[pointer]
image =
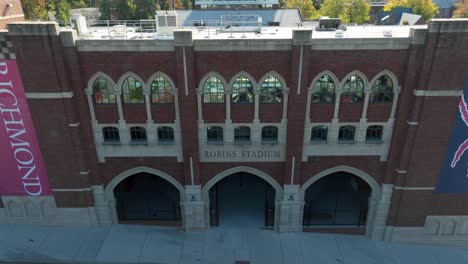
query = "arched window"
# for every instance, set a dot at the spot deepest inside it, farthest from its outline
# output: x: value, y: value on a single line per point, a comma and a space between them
x: 242, y: 134
x: 132, y: 91
x: 110, y: 134
x: 242, y: 90
x: 103, y: 91
x: 319, y: 133
x: 161, y: 91
x: 323, y: 90
x: 269, y: 134
x: 353, y: 90
x: 214, y: 134
x: 382, y: 90
x: 213, y: 90
x: 165, y: 134
x: 138, y: 134
x: 374, y: 133
x: 271, y: 90
x: 346, y: 133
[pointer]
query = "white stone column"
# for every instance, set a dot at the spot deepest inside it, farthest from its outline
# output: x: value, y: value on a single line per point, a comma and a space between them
x: 366, y: 104
x: 337, y: 103
x: 290, y: 219
x: 285, y: 103
x: 228, y: 104
x: 103, y: 214
x: 199, y: 105
x: 89, y: 96
x: 193, y: 209
x: 123, y: 129
x: 380, y: 213
x: 396, y: 93
x: 257, y: 105
x: 178, y: 129
x: 256, y: 131
x: 308, y: 104
x: 147, y: 93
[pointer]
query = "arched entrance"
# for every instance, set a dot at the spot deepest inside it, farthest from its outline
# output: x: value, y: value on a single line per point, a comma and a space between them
x: 340, y: 197
x: 145, y: 196
x: 242, y: 197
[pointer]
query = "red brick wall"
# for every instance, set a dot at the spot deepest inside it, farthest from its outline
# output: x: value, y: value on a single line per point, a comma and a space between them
x: 379, y: 112
x: 106, y: 113
x: 322, y: 112
x: 350, y: 112
x: 134, y: 113
x: 242, y: 112
x: 214, y: 113
x: 163, y: 113
x: 270, y: 113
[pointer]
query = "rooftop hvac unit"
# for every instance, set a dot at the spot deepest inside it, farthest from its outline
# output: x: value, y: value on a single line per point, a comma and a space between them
x: 329, y: 24
x: 166, y: 22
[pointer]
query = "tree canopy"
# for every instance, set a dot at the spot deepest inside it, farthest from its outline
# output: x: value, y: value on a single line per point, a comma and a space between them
x: 34, y: 9
x: 461, y: 9
x: 426, y: 8
x: 306, y: 7
x: 350, y: 11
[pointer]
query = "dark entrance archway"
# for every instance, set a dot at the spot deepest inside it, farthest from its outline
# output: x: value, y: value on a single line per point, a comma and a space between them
x: 147, y: 199
x: 242, y: 200
x: 339, y: 199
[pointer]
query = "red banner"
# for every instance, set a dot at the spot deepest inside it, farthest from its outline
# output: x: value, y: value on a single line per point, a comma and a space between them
x: 22, y: 169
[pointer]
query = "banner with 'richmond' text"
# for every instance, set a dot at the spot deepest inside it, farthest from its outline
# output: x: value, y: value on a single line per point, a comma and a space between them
x: 22, y: 169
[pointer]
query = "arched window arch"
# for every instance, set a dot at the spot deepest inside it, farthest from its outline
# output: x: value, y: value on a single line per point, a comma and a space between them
x: 132, y: 90
x: 110, y: 134
x: 103, y: 91
x: 138, y: 134
x: 353, y: 90
x: 374, y: 133
x: 346, y: 133
x: 269, y: 134
x: 161, y: 90
x: 323, y: 90
x: 382, y: 89
x: 242, y: 90
x: 213, y: 90
x: 271, y: 90
x: 242, y: 134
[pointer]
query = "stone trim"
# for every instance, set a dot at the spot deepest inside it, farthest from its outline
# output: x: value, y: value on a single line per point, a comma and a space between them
x: 414, y: 188
x: 437, y: 92
x: 51, y: 95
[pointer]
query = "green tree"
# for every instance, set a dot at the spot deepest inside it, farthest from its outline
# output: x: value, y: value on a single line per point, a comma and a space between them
x: 145, y: 9
x: 126, y: 9
x: 78, y: 4
x: 426, y: 8
x: 34, y: 9
x: 187, y: 4
x: 105, y: 9
x: 61, y: 10
x: 461, y: 9
x: 356, y: 11
x: 332, y: 8
x: 306, y: 7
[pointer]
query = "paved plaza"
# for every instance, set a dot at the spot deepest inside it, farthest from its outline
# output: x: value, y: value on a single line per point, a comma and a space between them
x: 145, y: 244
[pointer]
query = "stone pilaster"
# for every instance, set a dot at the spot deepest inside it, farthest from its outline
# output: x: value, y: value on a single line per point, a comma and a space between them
x: 103, y: 213
x: 193, y: 209
x: 378, y: 221
x: 290, y: 219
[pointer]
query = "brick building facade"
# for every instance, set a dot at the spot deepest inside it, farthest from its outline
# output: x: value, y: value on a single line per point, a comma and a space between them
x: 214, y: 89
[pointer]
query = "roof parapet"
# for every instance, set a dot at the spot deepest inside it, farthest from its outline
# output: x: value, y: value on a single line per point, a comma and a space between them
x: 33, y: 28
x: 448, y: 25
x: 183, y: 37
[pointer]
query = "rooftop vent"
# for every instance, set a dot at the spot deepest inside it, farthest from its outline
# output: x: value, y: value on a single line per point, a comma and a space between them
x: 329, y: 24
x: 166, y: 22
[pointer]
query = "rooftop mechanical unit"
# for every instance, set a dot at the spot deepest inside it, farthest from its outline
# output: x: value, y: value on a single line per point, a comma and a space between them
x: 330, y: 24
x: 166, y: 22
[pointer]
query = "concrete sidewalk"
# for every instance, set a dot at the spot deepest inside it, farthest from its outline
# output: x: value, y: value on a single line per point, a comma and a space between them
x: 143, y: 244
